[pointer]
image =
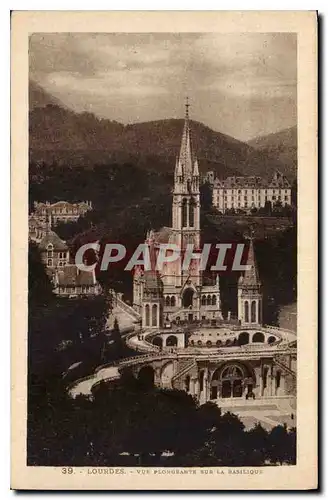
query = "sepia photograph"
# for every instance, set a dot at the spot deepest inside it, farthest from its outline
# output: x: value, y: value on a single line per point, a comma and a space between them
x: 162, y: 253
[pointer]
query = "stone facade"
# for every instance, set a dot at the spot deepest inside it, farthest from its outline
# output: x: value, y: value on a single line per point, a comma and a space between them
x: 245, y: 193
x: 181, y: 294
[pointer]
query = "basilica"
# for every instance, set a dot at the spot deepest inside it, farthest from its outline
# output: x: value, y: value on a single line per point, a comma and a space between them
x: 181, y: 337
x: 175, y: 293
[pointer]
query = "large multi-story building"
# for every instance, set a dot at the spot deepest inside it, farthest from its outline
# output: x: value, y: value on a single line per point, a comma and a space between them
x: 61, y: 211
x: 247, y: 193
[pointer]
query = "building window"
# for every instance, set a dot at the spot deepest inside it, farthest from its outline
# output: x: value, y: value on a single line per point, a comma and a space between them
x: 49, y: 262
x: 184, y: 212
x: 246, y: 311
x: 147, y: 314
x: 253, y: 312
x: 286, y: 198
x: 154, y: 315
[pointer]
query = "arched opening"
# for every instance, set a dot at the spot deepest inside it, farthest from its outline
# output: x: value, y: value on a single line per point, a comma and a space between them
x: 253, y: 312
x: 201, y: 381
x: 278, y: 379
x: 146, y: 376
x: 203, y: 300
x: 158, y: 341
x: 258, y: 337
x: 154, y: 315
x: 187, y: 383
x: 167, y: 374
x: 265, y: 377
x: 213, y: 300
x: 167, y: 301
x: 228, y: 342
x: 271, y: 339
x: 184, y: 212
x: 209, y: 300
x: 243, y: 338
x: 232, y: 382
x: 172, y: 302
x: 208, y: 343
x: 187, y: 298
x: 171, y: 341
x: 200, y: 343
x: 219, y: 343
x: 147, y: 315
x: 214, y: 385
x: 192, y: 209
x: 246, y: 312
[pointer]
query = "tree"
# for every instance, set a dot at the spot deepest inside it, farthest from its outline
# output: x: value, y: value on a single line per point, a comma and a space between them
x: 257, y: 444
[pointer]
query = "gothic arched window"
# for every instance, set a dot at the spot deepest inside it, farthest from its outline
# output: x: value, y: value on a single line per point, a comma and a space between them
x: 192, y: 210
x: 246, y: 312
x: 184, y: 212
x: 172, y: 302
x: 253, y: 312
x: 213, y: 300
x: 203, y: 300
x: 154, y: 315
x: 147, y: 314
x: 167, y: 300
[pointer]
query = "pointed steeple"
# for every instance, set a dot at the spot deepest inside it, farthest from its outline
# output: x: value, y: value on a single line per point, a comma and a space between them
x: 196, y: 169
x: 185, y: 156
x: 251, y: 276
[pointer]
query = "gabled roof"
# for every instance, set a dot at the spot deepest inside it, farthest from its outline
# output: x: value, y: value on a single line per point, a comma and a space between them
x: 70, y: 275
x: 53, y: 238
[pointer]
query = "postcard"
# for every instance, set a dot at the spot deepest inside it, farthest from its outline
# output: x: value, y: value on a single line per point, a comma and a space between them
x: 164, y: 250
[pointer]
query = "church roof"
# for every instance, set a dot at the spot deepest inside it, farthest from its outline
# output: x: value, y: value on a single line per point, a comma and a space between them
x: 70, y: 275
x: 163, y: 235
x: 251, y: 275
x: 52, y: 238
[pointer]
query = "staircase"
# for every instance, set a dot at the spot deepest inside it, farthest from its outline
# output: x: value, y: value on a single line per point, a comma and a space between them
x: 281, y: 362
x: 127, y: 309
x: 178, y: 313
x: 185, y: 366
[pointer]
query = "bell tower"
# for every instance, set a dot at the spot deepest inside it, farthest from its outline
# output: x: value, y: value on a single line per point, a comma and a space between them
x: 186, y: 197
x: 249, y: 292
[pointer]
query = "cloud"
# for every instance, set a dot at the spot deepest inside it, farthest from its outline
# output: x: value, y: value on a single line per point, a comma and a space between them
x: 116, y: 71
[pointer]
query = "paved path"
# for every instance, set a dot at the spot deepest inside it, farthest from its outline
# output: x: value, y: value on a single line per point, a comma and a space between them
x: 124, y: 320
x: 84, y: 386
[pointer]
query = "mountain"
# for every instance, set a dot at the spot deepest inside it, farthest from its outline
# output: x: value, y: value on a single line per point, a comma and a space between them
x: 38, y: 97
x: 280, y: 146
x: 61, y: 136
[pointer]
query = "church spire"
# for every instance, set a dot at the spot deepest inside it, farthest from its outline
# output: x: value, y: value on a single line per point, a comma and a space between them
x: 185, y: 156
x: 251, y: 275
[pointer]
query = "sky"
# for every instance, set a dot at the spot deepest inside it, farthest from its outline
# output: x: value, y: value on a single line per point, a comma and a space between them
x: 240, y: 84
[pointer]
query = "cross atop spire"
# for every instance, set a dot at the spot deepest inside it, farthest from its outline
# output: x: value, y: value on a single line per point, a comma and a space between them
x: 185, y: 157
x: 187, y: 106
